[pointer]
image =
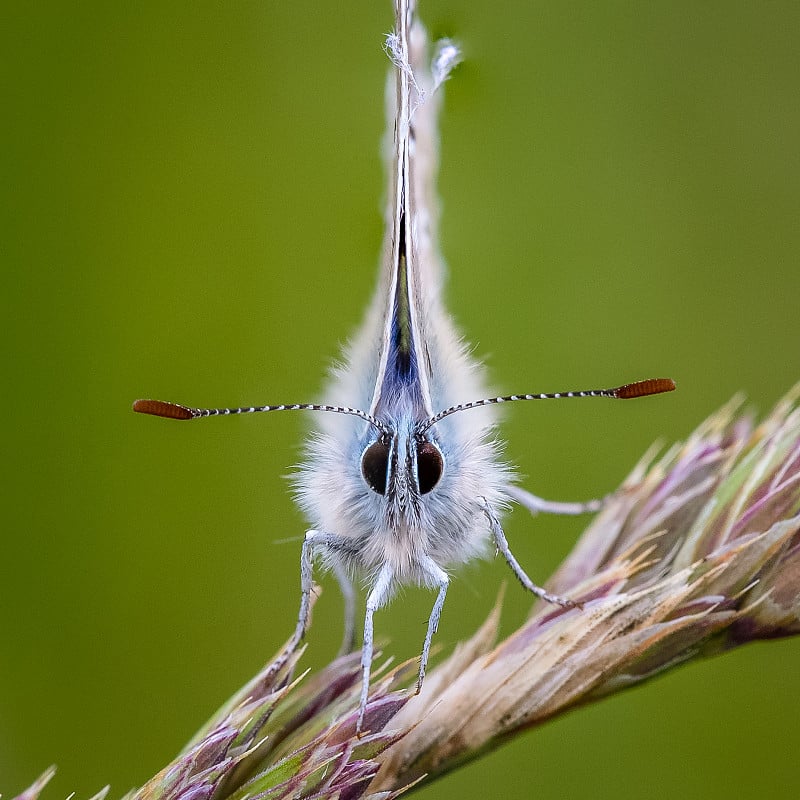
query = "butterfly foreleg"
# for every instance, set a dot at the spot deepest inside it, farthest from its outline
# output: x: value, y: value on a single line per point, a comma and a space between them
x: 349, y: 598
x: 442, y: 580
x: 538, y: 505
x: 314, y: 543
x: 376, y: 598
x: 499, y: 537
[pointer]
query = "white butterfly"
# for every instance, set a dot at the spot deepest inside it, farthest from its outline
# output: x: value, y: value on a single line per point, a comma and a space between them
x: 400, y: 483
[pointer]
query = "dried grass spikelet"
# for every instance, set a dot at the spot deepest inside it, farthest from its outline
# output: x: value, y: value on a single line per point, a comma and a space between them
x: 697, y: 553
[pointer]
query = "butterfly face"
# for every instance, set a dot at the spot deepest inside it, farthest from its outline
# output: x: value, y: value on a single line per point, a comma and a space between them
x: 416, y: 472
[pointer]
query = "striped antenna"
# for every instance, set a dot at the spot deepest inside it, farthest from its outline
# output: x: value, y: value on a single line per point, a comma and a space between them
x: 626, y: 392
x: 162, y: 408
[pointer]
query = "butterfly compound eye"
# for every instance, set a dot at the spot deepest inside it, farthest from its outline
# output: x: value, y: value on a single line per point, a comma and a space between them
x: 375, y: 465
x: 430, y: 466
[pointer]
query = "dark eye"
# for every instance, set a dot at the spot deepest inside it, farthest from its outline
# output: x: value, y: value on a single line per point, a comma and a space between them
x: 430, y: 466
x: 375, y: 465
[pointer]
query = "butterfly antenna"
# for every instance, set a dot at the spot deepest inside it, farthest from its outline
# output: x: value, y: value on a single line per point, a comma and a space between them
x: 626, y: 392
x: 162, y: 408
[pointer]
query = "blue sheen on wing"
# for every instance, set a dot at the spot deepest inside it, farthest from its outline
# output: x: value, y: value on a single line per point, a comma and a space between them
x: 402, y: 379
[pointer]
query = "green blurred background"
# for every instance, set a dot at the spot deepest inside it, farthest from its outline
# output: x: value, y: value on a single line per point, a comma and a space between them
x: 191, y: 205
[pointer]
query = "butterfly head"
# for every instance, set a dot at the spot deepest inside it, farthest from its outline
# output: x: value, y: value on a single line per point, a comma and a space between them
x: 403, y: 466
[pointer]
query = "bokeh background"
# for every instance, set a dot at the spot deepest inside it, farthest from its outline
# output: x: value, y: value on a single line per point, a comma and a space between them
x: 191, y: 212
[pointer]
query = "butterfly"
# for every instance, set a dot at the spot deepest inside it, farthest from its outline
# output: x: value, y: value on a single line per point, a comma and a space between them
x: 403, y: 479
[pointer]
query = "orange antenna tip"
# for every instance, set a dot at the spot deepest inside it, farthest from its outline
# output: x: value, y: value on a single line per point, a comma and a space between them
x: 160, y: 408
x: 645, y: 388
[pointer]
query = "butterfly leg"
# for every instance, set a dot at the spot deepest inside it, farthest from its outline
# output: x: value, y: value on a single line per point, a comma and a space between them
x: 502, y: 547
x: 440, y: 577
x: 537, y: 505
x: 313, y: 542
x: 376, y: 598
x: 310, y: 541
x: 349, y: 597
